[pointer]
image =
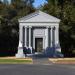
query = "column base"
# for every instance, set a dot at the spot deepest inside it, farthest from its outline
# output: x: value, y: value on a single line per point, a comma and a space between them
x: 31, y: 49
x: 58, y: 50
x: 58, y: 53
x: 20, y: 53
x: 49, y: 51
x: 53, y: 52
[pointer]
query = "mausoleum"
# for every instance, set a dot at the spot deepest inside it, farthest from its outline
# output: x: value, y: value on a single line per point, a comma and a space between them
x: 38, y: 32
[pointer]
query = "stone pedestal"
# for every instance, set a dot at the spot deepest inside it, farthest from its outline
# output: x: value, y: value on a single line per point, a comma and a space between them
x: 58, y: 52
x: 31, y: 50
x: 20, y: 53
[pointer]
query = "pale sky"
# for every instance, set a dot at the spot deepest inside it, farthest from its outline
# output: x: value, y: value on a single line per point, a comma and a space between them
x: 37, y: 2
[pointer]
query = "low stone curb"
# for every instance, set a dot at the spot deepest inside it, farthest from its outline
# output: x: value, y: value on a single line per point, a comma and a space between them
x: 62, y: 60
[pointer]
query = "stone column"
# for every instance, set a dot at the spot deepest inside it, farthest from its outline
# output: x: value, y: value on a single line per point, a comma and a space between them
x: 20, y: 36
x: 30, y: 39
x: 20, y: 53
x: 47, y: 35
x: 56, y: 35
x: 20, y: 33
x: 57, y: 44
x: 51, y: 36
x: 25, y: 36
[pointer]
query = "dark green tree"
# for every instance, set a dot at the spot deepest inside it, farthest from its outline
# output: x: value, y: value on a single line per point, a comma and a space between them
x: 65, y: 10
x: 9, y: 15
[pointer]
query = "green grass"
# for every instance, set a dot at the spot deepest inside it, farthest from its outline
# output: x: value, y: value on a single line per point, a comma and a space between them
x: 14, y: 61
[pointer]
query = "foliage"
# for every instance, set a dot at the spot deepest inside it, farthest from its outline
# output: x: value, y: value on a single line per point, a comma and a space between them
x: 9, y: 15
x: 65, y: 10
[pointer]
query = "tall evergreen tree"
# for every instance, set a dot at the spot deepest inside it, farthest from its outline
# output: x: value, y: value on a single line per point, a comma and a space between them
x: 65, y: 10
x: 9, y: 15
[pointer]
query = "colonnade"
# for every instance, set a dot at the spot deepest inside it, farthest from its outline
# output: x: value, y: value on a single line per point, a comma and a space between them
x: 52, y: 36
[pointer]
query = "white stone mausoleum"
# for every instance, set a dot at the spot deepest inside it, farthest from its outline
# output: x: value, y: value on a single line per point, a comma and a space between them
x: 38, y: 32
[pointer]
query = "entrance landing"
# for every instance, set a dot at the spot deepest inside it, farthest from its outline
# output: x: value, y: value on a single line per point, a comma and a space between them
x: 40, y: 58
x: 42, y: 61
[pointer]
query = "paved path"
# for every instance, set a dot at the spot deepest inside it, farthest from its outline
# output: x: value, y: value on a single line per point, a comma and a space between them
x: 41, y: 59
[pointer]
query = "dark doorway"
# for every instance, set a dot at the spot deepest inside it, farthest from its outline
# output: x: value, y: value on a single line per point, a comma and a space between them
x: 38, y: 44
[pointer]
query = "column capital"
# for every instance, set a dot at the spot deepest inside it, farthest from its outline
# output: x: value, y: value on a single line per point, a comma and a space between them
x: 47, y: 27
x: 56, y: 27
x: 51, y: 27
x: 30, y: 26
x: 25, y: 26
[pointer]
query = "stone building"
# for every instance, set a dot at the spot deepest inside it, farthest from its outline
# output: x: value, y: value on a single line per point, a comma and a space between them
x: 38, y: 32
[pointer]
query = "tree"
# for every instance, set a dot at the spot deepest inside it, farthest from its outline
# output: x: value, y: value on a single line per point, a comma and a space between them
x: 65, y: 10
x: 9, y: 15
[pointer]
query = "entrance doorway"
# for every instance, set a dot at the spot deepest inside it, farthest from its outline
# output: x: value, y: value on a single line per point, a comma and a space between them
x: 38, y: 44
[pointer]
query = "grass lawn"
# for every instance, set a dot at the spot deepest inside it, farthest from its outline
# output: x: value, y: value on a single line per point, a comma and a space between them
x: 15, y: 61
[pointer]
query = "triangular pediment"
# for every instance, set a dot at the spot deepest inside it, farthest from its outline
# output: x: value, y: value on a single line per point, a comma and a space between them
x: 39, y: 16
